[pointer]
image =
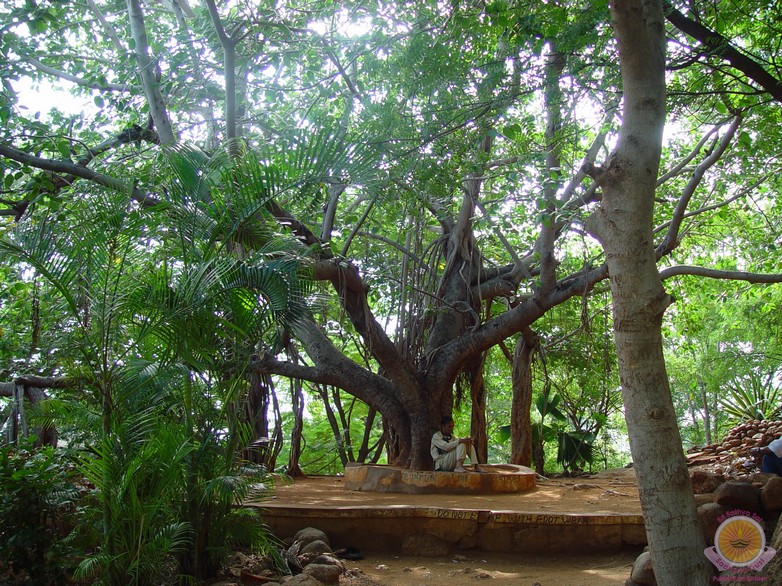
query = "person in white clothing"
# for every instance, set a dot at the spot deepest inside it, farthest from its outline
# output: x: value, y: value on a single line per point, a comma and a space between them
x: 772, y: 457
x: 449, y: 451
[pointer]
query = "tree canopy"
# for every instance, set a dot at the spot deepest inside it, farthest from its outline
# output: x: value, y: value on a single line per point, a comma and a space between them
x: 416, y: 205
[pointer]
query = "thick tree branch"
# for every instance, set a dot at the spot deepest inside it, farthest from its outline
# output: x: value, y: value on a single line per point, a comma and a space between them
x: 38, y: 382
x: 718, y: 45
x: 72, y: 170
x: 332, y: 367
x: 674, y: 271
x: 73, y: 78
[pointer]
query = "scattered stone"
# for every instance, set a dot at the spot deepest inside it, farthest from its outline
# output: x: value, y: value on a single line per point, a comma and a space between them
x: 771, y: 495
x: 310, y: 534
x: 705, y: 481
x: 643, y: 573
x: 709, y: 515
x: 327, y: 559
x: 584, y: 486
x: 317, y: 546
x: 326, y: 573
x: 738, y: 495
x: 733, y: 453
x: 421, y: 572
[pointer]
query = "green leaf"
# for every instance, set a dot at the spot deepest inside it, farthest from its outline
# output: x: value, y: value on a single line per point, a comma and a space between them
x: 63, y: 147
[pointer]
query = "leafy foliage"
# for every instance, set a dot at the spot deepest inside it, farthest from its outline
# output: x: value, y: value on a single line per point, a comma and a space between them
x: 37, y: 498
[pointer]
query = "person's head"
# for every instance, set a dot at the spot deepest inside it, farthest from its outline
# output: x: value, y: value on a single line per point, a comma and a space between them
x: 446, y: 424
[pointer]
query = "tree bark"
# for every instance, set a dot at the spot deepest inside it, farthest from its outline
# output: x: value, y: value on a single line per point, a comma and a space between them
x: 297, y: 406
x: 623, y: 225
x: 521, y: 405
x: 478, y: 411
x: 146, y: 71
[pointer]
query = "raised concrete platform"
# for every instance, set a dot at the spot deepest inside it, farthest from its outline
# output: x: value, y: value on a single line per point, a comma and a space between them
x: 411, y: 524
x: 494, y: 479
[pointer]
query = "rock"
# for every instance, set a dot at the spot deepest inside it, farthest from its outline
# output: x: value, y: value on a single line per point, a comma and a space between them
x: 643, y: 573
x: 315, y: 547
x: 702, y: 499
x: 704, y: 481
x: 327, y: 559
x: 302, y: 580
x: 326, y: 573
x: 425, y: 545
x: 738, y: 495
x: 771, y: 495
x: 310, y: 534
x: 708, y: 515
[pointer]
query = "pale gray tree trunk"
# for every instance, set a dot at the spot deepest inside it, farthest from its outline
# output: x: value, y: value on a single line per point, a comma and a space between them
x: 623, y: 225
x: 147, y: 69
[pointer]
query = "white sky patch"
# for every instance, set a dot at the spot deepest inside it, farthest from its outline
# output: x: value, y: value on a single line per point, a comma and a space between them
x: 45, y: 96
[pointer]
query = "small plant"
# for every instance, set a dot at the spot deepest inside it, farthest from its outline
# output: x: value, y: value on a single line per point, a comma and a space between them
x: 575, y: 448
x: 36, y: 497
x: 752, y: 397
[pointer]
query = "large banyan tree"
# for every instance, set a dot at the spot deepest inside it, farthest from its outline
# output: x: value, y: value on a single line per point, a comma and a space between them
x: 450, y: 173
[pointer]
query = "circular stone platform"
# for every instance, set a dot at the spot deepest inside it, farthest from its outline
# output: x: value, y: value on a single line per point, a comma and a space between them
x: 494, y: 479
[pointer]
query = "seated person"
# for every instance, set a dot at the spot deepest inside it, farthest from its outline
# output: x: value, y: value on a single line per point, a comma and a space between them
x: 449, y: 451
x: 772, y: 457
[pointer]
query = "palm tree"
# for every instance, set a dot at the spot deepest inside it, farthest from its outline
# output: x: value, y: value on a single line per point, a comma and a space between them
x: 165, y: 308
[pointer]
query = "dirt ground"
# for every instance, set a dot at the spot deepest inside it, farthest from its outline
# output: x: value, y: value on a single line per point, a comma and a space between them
x: 609, y: 491
x: 501, y: 569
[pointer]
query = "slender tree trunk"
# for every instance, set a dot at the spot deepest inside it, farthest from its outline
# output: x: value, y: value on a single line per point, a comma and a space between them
x: 364, y: 449
x: 278, y: 437
x: 334, y: 424
x: 623, y: 225
x: 478, y: 411
x: 706, y: 412
x: 297, y: 400
x: 521, y: 405
x: 344, y: 418
x: 257, y: 414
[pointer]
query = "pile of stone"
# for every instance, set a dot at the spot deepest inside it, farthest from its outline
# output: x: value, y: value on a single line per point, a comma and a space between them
x: 732, y: 455
x: 759, y: 496
x: 726, y: 477
x: 308, y: 560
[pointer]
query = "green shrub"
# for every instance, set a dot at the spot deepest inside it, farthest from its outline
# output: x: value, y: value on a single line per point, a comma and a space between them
x: 36, y: 497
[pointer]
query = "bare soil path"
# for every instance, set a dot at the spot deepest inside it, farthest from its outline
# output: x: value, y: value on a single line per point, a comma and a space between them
x: 612, y: 491
x: 501, y: 569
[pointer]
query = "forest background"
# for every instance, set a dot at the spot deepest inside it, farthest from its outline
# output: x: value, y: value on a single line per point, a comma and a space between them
x: 284, y: 237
